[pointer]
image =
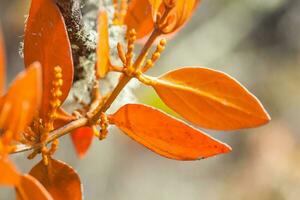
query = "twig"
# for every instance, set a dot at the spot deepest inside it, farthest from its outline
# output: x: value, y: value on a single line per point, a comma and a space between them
x: 137, y: 65
x: 84, y: 121
x: 125, y: 78
x: 78, y: 35
x: 54, y: 135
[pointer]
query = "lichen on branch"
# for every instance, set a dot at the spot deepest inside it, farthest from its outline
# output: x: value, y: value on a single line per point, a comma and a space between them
x: 80, y: 18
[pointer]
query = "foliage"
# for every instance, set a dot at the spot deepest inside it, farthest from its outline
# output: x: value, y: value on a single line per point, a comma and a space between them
x: 34, y: 119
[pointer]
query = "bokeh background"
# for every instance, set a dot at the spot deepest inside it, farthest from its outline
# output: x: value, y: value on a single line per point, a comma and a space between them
x: 255, y: 41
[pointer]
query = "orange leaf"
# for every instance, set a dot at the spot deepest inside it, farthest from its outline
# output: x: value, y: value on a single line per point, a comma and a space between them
x: 30, y: 188
x: 60, y: 180
x: 46, y: 41
x: 210, y: 99
x: 82, y: 139
x: 183, y: 11
x: 22, y: 100
x: 156, y: 4
x: 2, y: 65
x: 8, y: 174
x: 103, y: 52
x: 139, y: 17
x: 164, y: 134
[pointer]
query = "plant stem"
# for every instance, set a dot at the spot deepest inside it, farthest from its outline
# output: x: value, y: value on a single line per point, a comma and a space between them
x: 85, y: 121
x: 54, y: 135
x: 125, y: 78
x: 155, y: 34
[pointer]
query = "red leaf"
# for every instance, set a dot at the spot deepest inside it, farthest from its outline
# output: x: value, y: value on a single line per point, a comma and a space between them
x: 139, y: 17
x: 60, y: 180
x: 46, y: 41
x: 30, y: 188
x: 164, y: 134
x: 8, y: 173
x: 22, y: 100
x: 82, y: 139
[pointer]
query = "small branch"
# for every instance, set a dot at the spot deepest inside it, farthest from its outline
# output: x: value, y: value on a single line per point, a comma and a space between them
x: 69, y: 7
x: 125, y: 78
x: 155, y: 34
x: 54, y: 135
x: 78, y: 35
x: 103, y: 108
x: 71, y: 12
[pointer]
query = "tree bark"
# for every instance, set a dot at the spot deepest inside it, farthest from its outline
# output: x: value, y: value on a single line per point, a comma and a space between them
x: 78, y: 35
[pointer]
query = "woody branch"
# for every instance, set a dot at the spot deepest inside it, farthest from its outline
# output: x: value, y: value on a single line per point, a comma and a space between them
x: 102, y: 107
x: 78, y: 35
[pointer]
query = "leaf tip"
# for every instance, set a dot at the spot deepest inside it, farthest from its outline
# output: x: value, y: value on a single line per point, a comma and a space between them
x: 81, y: 155
x: 267, y: 118
x: 222, y: 148
x: 263, y: 119
x: 82, y: 139
x: 226, y: 148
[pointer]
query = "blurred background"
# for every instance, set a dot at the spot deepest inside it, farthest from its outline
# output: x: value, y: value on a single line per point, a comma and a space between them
x: 258, y: 43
